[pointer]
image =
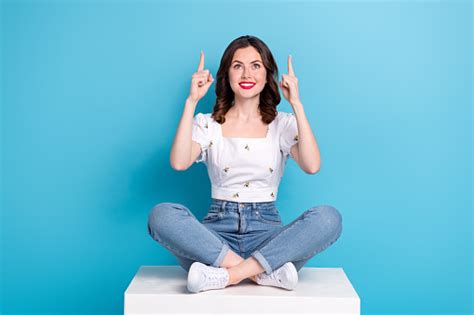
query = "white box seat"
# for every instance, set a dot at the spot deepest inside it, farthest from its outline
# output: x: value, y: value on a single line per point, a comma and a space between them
x: 162, y: 290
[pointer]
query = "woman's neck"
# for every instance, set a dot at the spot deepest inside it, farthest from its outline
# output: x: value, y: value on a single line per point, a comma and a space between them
x: 245, y: 110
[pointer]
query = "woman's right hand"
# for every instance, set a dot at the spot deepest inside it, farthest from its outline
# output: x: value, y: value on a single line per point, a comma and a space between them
x: 201, y: 81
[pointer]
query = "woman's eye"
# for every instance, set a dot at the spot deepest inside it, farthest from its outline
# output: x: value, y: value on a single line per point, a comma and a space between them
x: 256, y: 66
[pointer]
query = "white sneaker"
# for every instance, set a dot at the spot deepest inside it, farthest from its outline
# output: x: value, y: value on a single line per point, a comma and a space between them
x: 285, y: 277
x: 202, y: 277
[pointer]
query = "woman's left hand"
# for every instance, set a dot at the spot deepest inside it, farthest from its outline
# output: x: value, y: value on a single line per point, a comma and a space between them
x: 289, y: 85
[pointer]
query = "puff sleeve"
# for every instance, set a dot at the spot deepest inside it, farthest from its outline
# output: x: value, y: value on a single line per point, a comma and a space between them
x: 288, y: 133
x: 201, y: 135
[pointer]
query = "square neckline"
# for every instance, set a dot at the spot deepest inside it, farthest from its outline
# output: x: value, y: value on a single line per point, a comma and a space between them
x: 246, y: 138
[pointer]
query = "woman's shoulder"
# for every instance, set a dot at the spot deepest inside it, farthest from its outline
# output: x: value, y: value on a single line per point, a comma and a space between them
x: 283, y: 115
x: 204, y: 116
x: 205, y: 120
x: 283, y: 118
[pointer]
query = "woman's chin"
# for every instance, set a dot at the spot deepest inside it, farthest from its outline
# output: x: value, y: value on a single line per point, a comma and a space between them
x: 247, y: 94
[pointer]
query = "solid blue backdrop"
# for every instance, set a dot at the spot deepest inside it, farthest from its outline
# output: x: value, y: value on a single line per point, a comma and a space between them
x: 92, y: 92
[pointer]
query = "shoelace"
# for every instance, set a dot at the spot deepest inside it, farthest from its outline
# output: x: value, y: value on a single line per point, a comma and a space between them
x: 214, y: 277
x: 275, y: 276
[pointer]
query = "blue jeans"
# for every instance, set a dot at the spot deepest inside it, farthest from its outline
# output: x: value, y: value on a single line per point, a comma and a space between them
x: 249, y: 229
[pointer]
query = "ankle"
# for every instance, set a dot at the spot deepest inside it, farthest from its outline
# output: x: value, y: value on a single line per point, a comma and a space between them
x: 232, y: 278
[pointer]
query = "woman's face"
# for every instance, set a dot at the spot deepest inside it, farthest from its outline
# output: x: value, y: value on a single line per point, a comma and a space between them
x: 247, y: 67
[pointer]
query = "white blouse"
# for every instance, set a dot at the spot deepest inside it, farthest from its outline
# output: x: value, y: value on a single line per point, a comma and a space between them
x: 245, y: 169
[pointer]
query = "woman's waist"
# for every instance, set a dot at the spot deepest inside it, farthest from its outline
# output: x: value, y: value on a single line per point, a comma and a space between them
x: 242, y: 194
x: 235, y: 206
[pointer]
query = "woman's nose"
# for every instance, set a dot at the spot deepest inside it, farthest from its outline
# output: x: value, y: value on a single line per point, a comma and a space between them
x: 245, y: 74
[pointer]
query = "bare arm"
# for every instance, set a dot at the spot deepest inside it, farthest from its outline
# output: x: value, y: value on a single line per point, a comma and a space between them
x: 306, y: 151
x: 185, y: 151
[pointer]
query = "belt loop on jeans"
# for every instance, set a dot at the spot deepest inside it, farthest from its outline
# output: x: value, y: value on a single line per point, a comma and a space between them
x: 223, y: 205
x: 254, y: 205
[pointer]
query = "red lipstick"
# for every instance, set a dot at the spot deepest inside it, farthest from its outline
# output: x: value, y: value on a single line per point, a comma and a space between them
x: 246, y: 85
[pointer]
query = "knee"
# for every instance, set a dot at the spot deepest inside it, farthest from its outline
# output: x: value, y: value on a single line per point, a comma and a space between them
x: 328, y: 216
x: 160, y: 215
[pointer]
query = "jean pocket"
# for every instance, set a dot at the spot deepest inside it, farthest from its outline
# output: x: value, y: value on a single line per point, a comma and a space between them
x: 213, y: 214
x: 214, y: 209
x: 268, y: 217
x: 211, y: 217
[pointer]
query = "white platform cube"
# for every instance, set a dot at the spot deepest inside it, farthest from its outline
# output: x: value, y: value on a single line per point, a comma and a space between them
x: 162, y: 290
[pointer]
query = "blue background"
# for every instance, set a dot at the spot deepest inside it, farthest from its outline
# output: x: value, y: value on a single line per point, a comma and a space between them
x: 92, y: 92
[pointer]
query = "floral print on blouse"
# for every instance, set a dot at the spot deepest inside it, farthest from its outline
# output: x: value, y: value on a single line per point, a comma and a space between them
x: 245, y: 169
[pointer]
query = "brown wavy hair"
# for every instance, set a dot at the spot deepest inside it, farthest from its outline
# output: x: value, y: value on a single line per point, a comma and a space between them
x: 270, y: 95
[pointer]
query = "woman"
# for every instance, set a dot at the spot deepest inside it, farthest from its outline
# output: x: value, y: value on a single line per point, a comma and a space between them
x: 245, y: 144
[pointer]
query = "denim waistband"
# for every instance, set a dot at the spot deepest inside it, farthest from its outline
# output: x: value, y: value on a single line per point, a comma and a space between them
x: 229, y: 205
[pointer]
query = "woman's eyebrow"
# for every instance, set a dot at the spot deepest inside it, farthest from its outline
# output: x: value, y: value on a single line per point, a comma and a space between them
x: 242, y: 62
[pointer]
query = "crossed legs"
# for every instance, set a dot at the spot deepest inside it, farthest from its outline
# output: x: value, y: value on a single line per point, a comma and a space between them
x: 240, y: 269
x: 167, y: 221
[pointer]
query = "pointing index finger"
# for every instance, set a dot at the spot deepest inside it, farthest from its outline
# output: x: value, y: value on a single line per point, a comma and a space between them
x: 201, y: 62
x: 290, y: 66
